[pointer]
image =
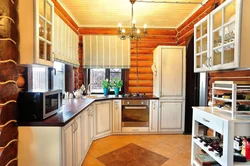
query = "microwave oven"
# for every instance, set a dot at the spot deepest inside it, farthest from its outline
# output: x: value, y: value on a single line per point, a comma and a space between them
x: 38, y: 105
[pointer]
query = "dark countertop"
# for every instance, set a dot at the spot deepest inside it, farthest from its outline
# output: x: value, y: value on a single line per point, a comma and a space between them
x: 72, y: 107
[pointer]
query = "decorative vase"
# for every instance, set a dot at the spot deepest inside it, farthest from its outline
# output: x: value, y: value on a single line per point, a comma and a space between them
x: 116, y: 90
x: 106, y: 91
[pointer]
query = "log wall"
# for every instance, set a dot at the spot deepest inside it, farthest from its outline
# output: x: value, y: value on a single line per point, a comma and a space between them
x: 187, y: 28
x: 145, y: 55
x: 8, y: 82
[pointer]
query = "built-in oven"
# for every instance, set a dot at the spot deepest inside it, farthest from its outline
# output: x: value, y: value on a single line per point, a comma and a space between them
x: 135, y: 113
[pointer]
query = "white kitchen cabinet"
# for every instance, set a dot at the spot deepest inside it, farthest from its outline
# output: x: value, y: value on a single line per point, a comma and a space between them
x: 153, y: 115
x: 65, y: 43
x: 169, y: 79
x: 117, y: 111
x: 36, y: 26
x: 228, y: 38
x: 72, y: 142
x: 201, y: 45
x: 103, y: 118
x: 78, y: 141
x: 91, y: 125
x: 223, y: 124
x: 68, y: 145
x: 171, y: 116
x: 85, y: 131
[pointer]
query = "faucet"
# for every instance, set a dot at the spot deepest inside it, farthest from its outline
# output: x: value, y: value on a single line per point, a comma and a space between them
x: 88, y: 90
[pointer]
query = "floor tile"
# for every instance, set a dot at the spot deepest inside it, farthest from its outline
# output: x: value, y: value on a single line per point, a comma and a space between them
x: 175, y: 147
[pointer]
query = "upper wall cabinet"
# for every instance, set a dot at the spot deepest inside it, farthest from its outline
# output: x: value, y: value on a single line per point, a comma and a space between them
x: 227, y: 37
x: 65, y: 43
x: 36, y: 23
x: 201, y: 45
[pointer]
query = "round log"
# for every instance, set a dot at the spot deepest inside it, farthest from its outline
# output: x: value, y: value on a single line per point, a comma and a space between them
x: 8, y: 112
x: 21, y: 81
x: 8, y: 50
x: 9, y: 153
x: 8, y: 92
x: 8, y: 71
x: 8, y: 133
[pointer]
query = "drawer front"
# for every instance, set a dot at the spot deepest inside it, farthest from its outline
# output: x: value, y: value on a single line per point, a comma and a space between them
x: 209, y: 120
x: 134, y: 129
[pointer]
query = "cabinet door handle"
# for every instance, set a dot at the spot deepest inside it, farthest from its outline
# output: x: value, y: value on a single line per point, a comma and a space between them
x: 209, y: 61
x: 206, y: 120
x: 76, y: 125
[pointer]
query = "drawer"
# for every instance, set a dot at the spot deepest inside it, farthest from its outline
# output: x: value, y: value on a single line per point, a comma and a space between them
x: 209, y: 120
x: 134, y: 129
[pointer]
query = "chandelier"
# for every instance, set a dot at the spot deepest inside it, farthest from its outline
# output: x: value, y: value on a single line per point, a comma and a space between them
x: 134, y: 33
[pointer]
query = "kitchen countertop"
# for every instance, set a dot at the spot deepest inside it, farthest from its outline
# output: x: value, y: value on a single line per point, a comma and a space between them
x: 72, y: 107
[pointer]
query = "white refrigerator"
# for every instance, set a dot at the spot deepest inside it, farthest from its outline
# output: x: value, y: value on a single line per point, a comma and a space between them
x: 169, y: 78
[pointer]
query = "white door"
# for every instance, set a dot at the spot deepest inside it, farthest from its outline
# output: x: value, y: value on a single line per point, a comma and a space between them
x: 103, y: 113
x: 85, y: 132
x: 68, y: 145
x: 91, y: 126
x: 171, y: 117
x: 173, y: 73
x: 153, y: 116
x: 117, y: 116
x: 78, y: 141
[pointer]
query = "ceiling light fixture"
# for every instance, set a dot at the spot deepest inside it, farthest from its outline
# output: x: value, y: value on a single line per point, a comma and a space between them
x: 134, y: 33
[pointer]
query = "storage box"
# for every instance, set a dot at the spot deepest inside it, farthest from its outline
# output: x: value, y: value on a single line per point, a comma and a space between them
x: 206, y: 160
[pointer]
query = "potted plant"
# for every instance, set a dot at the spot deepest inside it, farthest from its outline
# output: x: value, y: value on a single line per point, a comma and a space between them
x: 106, y: 85
x: 117, y: 84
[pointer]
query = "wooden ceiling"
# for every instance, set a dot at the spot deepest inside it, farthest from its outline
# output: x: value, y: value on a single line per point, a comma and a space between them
x: 108, y: 13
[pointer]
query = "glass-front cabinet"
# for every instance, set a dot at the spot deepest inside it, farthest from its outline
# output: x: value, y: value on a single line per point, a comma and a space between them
x: 45, y: 30
x: 36, y: 26
x: 227, y: 36
x: 201, y: 45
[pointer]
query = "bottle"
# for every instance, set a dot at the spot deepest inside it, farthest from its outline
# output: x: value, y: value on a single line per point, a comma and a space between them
x: 243, y: 151
x: 247, y: 148
x: 237, y: 144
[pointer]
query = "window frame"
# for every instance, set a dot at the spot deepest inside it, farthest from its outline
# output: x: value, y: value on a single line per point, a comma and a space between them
x: 107, y: 76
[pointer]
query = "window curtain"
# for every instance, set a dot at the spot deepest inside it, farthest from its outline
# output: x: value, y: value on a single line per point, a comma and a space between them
x: 105, y: 51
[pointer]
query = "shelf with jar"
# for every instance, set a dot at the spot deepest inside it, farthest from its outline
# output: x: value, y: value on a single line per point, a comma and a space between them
x: 227, y: 37
x: 232, y: 97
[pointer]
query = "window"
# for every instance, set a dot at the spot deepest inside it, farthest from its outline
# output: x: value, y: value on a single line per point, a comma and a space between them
x: 97, y: 75
x: 58, y: 77
x: 39, y: 79
x: 44, y: 78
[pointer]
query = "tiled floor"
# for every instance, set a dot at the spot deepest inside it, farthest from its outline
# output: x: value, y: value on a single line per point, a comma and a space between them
x: 175, y: 147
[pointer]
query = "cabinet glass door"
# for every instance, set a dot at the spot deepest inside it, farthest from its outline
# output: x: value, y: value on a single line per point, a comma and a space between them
x: 223, y: 34
x: 45, y: 30
x: 201, y: 45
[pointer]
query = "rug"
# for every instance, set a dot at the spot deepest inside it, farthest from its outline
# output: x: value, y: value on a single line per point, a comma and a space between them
x: 132, y: 155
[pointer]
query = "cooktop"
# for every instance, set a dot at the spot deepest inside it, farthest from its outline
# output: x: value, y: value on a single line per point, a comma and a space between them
x: 134, y: 95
